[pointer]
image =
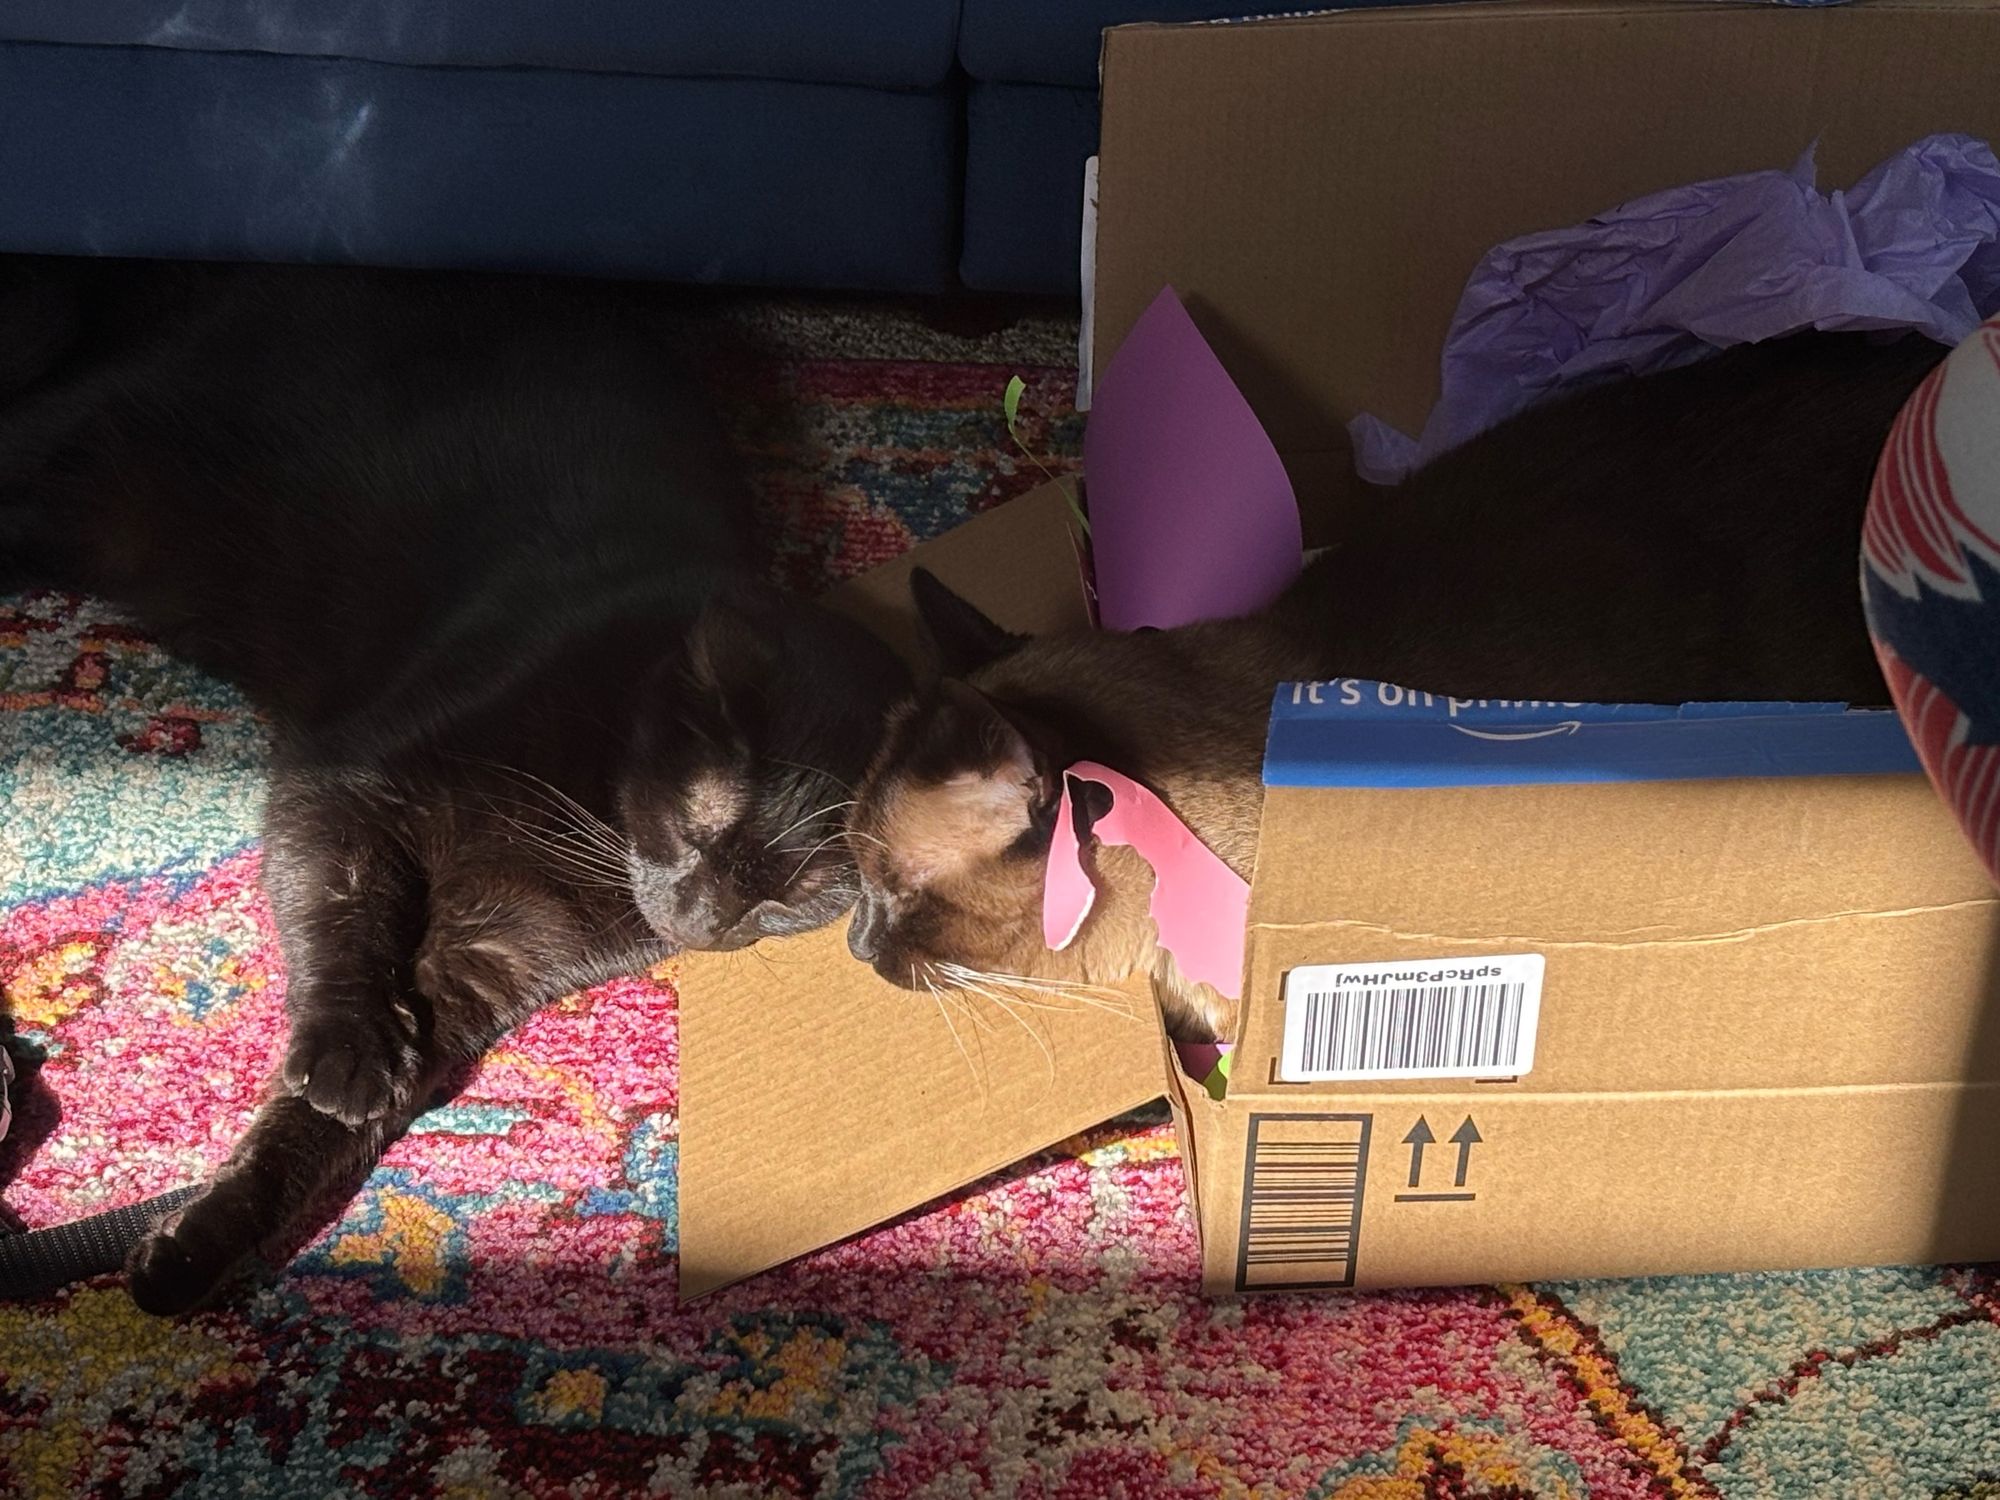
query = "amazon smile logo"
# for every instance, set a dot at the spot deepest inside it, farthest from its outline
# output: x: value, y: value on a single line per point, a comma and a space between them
x: 1568, y: 726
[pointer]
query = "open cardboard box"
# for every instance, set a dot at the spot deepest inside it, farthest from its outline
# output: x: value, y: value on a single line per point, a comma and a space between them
x: 1769, y: 1028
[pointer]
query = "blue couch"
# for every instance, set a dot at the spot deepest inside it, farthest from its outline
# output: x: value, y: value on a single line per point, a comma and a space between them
x: 907, y: 145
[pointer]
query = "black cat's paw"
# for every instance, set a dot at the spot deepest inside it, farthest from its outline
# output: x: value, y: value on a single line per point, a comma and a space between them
x: 177, y: 1267
x: 355, y: 1070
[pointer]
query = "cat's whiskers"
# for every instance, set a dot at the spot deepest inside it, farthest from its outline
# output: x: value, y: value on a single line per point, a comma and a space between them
x: 806, y: 859
x: 585, y: 817
x: 577, y: 860
x: 588, y: 825
x: 815, y: 771
x: 584, y: 867
x: 938, y: 1000
x: 818, y: 812
x: 578, y: 865
x: 1042, y: 982
x: 575, y: 847
x: 583, y: 850
x: 484, y: 922
x: 1018, y: 1019
x: 570, y: 844
x: 597, y: 842
x: 1094, y: 997
x: 553, y: 813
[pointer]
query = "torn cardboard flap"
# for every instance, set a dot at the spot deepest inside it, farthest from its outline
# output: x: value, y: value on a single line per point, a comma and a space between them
x: 1008, y: 562
x: 817, y: 1099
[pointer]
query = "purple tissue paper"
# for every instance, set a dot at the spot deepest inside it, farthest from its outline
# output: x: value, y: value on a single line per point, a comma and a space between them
x: 1666, y: 279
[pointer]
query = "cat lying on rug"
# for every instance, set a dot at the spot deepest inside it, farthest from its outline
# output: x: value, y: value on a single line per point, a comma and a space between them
x: 1684, y: 536
x: 473, y: 548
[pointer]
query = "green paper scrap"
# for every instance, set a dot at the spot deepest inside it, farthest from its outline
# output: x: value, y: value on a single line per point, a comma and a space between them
x: 1010, y: 405
x: 1217, y: 1082
x: 1075, y: 506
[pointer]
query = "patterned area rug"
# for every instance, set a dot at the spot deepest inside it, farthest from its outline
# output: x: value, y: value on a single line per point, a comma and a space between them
x: 495, y: 1315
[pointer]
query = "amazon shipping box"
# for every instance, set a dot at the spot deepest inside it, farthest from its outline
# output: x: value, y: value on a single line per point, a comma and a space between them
x: 1530, y: 990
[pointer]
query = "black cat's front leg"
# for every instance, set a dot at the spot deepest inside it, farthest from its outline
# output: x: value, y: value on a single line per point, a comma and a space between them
x: 349, y: 903
x: 290, y: 1157
x: 495, y: 949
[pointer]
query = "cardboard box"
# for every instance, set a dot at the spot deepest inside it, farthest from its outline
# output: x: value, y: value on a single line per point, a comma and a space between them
x: 1767, y: 1035
x: 1319, y: 189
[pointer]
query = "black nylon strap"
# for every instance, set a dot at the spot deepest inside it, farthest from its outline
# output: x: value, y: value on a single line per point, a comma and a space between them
x: 35, y: 1262
x: 41, y: 1261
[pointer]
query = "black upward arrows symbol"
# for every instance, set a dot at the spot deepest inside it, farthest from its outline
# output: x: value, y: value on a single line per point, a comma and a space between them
x: 1419, y: 1137
x: 1465, y: 1138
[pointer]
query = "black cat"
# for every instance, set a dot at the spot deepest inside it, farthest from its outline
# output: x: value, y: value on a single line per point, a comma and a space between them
x: 474, y: 548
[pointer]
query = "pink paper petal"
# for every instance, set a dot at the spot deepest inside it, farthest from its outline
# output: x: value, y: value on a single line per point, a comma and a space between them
x: 1067, y: 894
x: 1199, y: 904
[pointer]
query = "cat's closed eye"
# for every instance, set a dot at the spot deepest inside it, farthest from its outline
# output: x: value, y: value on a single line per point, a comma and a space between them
x: 727, y: 888
x: 736, y: 828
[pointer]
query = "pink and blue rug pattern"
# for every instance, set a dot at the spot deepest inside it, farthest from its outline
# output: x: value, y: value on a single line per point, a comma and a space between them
x: 495, y: 1315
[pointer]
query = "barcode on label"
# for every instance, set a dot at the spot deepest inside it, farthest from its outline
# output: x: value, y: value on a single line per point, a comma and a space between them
x: 1432, y: 1018
x: 1303, y: 1177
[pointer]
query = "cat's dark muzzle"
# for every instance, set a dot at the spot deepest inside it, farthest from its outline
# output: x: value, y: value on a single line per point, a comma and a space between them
x: 693, y: 925
x: 699, y: 932
x: 731, y: 941
x: 872, y: 939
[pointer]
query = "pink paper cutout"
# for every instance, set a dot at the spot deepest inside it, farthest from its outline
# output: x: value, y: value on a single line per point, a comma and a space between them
x: 1067, y: 894
x: 1199, y: 904
x: 1192, y: 516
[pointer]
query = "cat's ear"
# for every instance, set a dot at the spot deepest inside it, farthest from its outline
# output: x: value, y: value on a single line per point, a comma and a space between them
x: 963, y: 639
x: 967, y: 744
x: 734, y: 653
x: 1091, y: 801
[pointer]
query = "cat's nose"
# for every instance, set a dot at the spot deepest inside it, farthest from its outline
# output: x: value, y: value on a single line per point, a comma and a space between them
x: 864, y: 932
x: 710, y: 923
x: 692, y: 914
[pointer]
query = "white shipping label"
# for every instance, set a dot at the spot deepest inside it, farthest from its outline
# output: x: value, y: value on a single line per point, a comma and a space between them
x: 1426, y: 1018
